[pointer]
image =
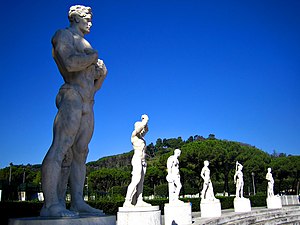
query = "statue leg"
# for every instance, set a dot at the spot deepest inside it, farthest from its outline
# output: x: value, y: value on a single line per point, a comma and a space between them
x: 237, y: 190
x: 64, y: 178
x: 178, y: 187
x: 78, y: 167
x: 140, y: 187
x: 66, y: 125
x: 242, y: 189
x: 135, y: 179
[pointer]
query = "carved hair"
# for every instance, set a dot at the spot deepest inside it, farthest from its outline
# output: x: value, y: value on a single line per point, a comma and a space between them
x: 79, y: 10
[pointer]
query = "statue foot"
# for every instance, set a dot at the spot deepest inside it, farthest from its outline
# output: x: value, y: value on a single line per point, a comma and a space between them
x: 84, y: 208
x: 57, y: 210
x: 127, y: 204
x: 141, y: 203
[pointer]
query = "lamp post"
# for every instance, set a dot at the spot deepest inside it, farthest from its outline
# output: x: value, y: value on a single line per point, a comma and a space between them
x: 23, y: 175
x: 87, y: 187
x: 253, y: 174
x: 9, y: 179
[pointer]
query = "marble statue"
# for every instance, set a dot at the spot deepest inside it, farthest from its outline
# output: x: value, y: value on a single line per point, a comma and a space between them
x: 209, y: 205
x: 134, y: 196
x: 238, y: 180
x: 173, y: 177
x: 207, y: 193
x: 273, y: 202
x: 83, y: 74
x: 240, y: 203
x: 270, y: 180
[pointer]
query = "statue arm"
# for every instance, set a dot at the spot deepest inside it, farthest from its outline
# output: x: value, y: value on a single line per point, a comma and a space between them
x: 101, y: 68
x: 140, y: 128
x: 202, y: 174
x: 234, y: 177
x: 170, y: 164
x: 66, y: 54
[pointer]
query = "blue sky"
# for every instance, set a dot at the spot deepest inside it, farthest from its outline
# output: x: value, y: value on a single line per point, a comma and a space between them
x: 230, y: 68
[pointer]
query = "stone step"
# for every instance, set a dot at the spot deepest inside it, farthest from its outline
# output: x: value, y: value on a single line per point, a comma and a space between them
x: 256, y: 216
x: 268, y: 219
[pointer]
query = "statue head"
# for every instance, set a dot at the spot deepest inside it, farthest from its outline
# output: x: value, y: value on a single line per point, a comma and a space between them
x: 206, y: 163
x: 177, y: 152
x: 81, y: 16
x: 240, y: 167
x: 269, y: 170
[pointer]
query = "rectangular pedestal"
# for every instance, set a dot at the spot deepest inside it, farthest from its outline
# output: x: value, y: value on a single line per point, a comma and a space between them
x: 139, y: 215
x: 180, y: 214
x: 210, y: 209
x: 242, y: 205
x: 90, y: 220
x: 274, y: 202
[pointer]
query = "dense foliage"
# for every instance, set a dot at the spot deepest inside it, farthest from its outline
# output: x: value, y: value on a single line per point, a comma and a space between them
x: 111, y: 175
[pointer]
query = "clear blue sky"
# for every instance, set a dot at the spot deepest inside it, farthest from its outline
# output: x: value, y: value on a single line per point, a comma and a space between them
x: 231, y: 68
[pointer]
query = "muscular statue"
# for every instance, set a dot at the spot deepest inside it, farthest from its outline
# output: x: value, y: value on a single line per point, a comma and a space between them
x: 207, y: 193
x: 134, y: 196
x: 83, y: 74
x: 238, y: 180
x: 173, y: 177
x: 270, y: 180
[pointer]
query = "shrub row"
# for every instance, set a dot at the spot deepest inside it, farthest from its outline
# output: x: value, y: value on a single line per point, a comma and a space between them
x: 109, y: 206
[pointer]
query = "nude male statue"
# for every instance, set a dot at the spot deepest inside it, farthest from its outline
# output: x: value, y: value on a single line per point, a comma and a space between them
x: 207, y: 193
x: 269, y: 178
x: 83, y: 74
x: 134, y: 196
x: 238, y: 180
x: 173, y: 177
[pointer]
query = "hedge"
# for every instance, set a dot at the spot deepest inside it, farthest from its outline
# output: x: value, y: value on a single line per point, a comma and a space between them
x: 110, y: 206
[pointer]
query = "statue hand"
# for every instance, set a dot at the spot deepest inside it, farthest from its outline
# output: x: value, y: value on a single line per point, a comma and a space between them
x: 144, y: 163
x: 169, y: 178
x: 100, y: 66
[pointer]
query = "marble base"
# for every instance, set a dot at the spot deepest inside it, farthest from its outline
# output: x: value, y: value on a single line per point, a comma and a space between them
x: 242, y: 205
x: 180, y: 214
x: 81, y: 220
x: 210, y: 209
x: 274, y: 202
x: 148, y: 215
x: 290, y: 200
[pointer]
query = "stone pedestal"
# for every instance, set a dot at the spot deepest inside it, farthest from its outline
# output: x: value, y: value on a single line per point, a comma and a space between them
x: 148, y: 215
x: 180, y: 214
x: 242, y: 205
x: 274, y: 202
x: 210, y: 209
x: 81, y: 220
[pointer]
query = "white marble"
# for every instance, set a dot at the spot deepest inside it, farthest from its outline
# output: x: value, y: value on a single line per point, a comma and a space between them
x: 90, y: 220
x: 269, y: 178
x: 290, y: 199
x: 147, y: 215
x: 210, y: 208
x: 239, y: 180
x: 274, y: 202
x: 83, y: 74
x: 180, y: 214
x: 242, y: 204
x: 207, y: 193
x: 134, y: 195
x: 173, y: 177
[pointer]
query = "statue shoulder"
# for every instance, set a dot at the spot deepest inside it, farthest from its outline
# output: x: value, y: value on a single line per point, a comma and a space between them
x: 62, y: 35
